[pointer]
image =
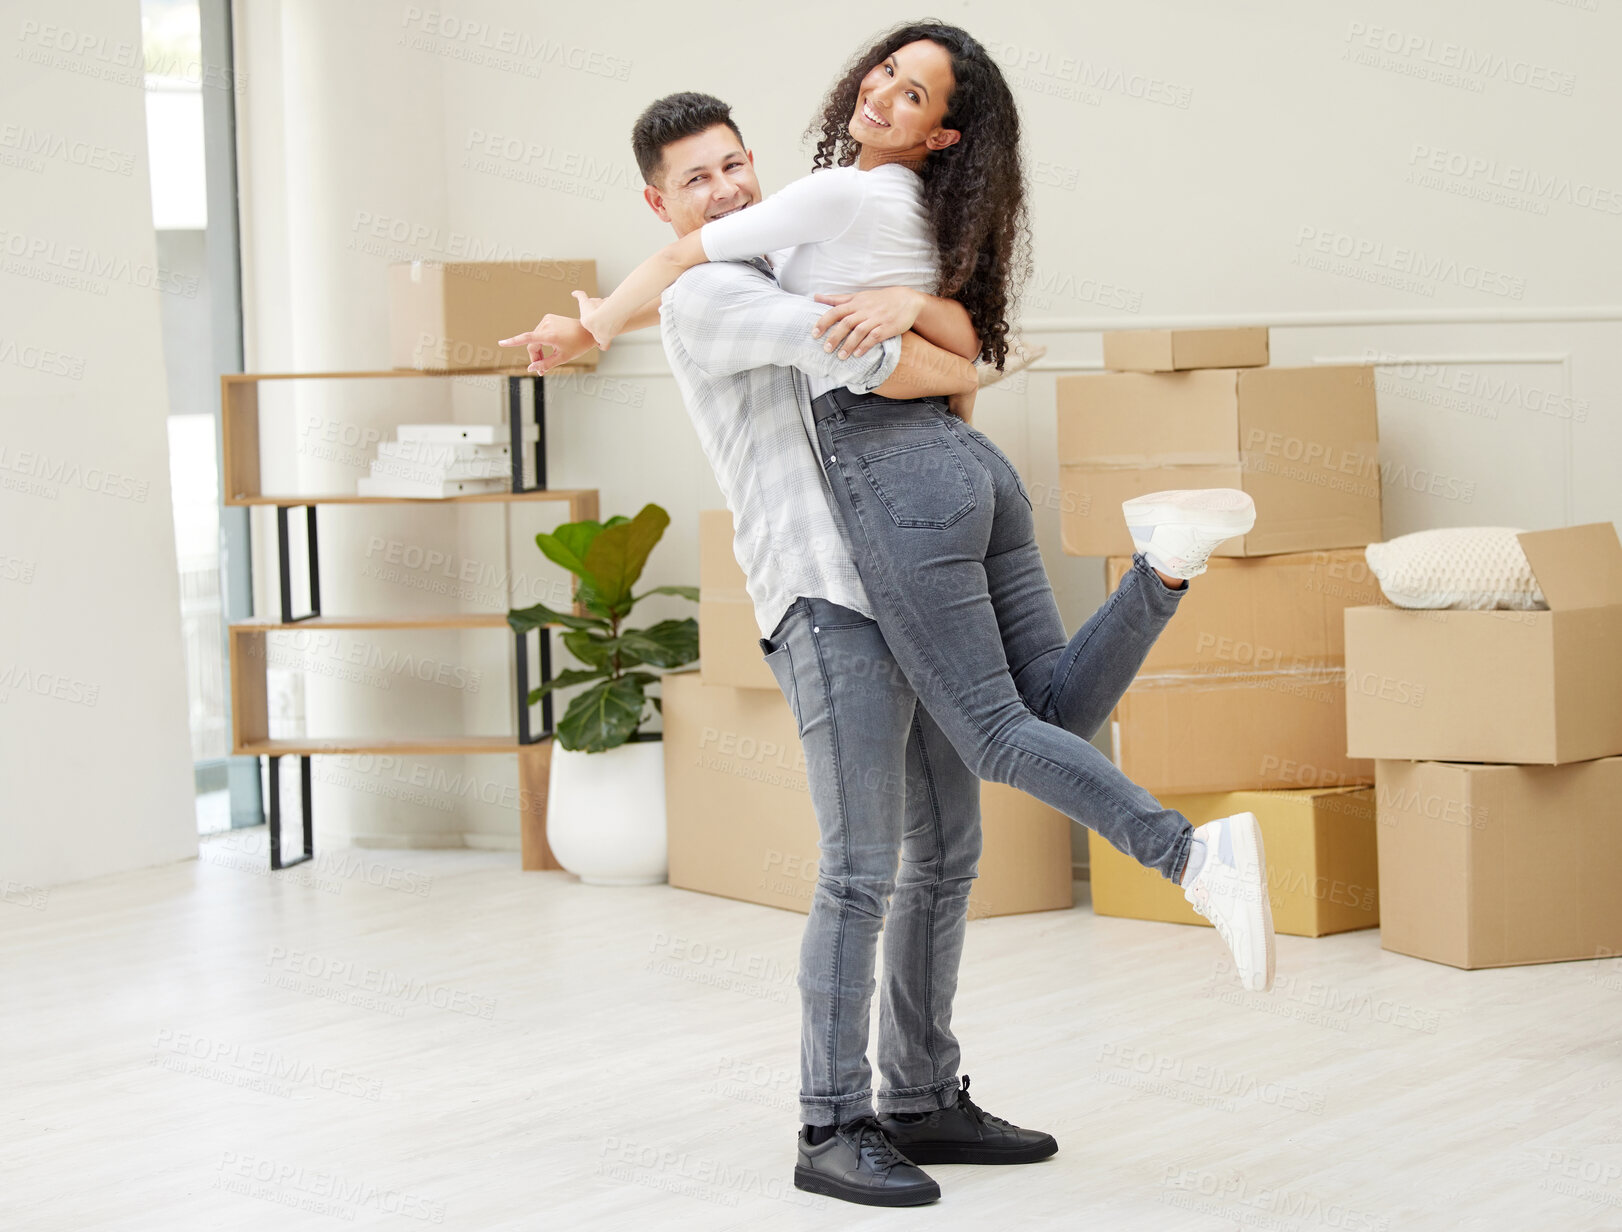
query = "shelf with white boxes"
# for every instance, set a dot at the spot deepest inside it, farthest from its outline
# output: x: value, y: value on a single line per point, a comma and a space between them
x: 250, y: 696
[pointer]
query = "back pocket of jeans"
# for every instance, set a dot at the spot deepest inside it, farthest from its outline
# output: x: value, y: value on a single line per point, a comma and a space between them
x: 921, y: 485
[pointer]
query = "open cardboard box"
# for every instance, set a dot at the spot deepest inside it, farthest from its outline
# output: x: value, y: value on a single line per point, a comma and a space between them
x: 1539, y: 687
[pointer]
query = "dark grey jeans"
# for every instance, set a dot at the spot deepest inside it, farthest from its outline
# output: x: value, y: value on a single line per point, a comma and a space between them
x: 898, y: 812
x: 899, y: 821
x: 942, y: 532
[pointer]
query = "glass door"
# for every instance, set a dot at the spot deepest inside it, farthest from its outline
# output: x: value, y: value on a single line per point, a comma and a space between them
x: 190, y: 109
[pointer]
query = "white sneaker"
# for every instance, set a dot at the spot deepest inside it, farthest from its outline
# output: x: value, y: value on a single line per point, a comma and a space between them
x: 1177, y: 530
x: 1230, y: 890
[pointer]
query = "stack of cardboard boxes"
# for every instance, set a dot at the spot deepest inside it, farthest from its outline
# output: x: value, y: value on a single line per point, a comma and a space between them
x: 1498, y: 779
x: 1240, y: 706
x: 739, y: 815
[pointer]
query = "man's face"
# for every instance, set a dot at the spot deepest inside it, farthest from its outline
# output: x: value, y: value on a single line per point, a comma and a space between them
x: 703, y: 176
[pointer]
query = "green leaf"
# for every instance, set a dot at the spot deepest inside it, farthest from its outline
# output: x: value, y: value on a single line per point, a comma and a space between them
x: 586, y: 595
x: 522, y: 620
x: 568, y: 543
x: 670, y: 643
x: 603, y: 716
x: 616, y: 556
x: 564, y: 679
x: 592, y: 649
x: 681, y: 592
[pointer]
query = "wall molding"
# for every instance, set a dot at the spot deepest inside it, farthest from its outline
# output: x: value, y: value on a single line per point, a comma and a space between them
x: 1599, y: 314
x: 1342, y: 317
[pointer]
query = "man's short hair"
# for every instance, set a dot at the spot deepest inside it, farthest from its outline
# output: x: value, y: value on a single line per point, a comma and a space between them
x: 672, y: 118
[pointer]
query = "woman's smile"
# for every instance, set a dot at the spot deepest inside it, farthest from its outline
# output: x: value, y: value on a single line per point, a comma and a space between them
x: 873, y: 117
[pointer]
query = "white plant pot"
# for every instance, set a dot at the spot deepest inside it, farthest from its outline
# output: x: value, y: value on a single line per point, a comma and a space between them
x: 605, y: 813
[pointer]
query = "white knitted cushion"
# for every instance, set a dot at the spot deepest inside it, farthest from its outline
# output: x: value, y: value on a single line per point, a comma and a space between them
x: 1469, y: 568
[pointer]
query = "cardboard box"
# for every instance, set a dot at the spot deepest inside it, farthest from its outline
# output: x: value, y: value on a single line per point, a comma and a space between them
x: 1321, y: 861
x: 1173, y: 350
x: 1243, y: 688
x: 1236, y: 731
x: 448, y: 316
x: 1261, y: 613
x: 741, y: 824
x: 1495, y: 866
x: 1531, y: 687
x: 1304, y: 442
x: 728, y: 634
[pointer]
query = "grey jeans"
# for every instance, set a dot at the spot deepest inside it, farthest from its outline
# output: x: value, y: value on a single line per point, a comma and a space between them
x: 898, y: 812
x: 942, y: 532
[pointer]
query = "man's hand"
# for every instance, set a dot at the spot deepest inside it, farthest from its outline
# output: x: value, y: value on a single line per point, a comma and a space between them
x: 962, y: 405
x: 858, y: 323
x: 566, y: 339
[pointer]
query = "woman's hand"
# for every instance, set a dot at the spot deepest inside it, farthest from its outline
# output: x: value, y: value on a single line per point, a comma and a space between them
x: 565, y: 339
x: 601, y: 324
x: 858, y: 323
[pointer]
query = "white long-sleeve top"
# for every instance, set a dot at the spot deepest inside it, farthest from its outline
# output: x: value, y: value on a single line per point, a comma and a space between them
x: 844, y: 230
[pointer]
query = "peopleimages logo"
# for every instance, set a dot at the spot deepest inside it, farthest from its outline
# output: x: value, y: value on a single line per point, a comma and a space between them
x: 1408, y: 263
x: 503, y: 46
x: 43, y: 475
x: 1042, y: 72
x: 85, y: 269
x: 42, y: 144
x: 1481, y: 172
x: 1426, y: 54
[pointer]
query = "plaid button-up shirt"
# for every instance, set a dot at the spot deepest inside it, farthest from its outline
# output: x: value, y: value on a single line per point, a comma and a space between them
x: 740, y: 347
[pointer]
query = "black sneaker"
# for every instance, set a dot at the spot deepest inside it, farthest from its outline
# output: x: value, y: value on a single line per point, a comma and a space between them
x: 965, y: 1133
x: 858, y: 1164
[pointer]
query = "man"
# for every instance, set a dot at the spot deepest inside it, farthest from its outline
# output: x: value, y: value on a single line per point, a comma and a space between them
x: 884, y: 781
x: 887, y: 786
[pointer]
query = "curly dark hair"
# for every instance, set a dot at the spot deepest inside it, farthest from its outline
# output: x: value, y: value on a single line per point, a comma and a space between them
x: 974, y: 190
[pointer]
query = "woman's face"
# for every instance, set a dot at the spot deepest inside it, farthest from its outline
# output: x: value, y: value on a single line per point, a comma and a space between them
x: 901, y: 103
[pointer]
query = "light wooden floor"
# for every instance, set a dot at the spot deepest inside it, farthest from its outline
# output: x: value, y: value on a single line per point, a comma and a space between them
x: 205, y: 1046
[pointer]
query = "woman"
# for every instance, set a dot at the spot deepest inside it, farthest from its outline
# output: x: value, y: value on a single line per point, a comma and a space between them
x: 919, y: 186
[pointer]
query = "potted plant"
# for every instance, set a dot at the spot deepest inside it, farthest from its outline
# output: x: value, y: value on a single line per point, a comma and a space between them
x: 605, y: 810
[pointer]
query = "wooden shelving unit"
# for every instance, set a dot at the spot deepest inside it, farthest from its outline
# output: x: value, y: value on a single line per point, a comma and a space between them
x: 249, y: 662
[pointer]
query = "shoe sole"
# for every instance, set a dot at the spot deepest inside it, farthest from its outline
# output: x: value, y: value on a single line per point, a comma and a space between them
x: 817, y: 1183
x: 970, y: 1153
x: 1248, y: 846
x: 1216, y: 513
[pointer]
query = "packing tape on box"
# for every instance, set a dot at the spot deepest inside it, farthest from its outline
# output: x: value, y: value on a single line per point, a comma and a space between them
x: 1335, y: 468
x: 1362, y: 461
x: 1200, y: 680
x: 1155, y: 461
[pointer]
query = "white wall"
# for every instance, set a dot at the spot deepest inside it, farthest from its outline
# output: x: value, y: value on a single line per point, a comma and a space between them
x: 94, y: 749
x: 1189, y: 163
